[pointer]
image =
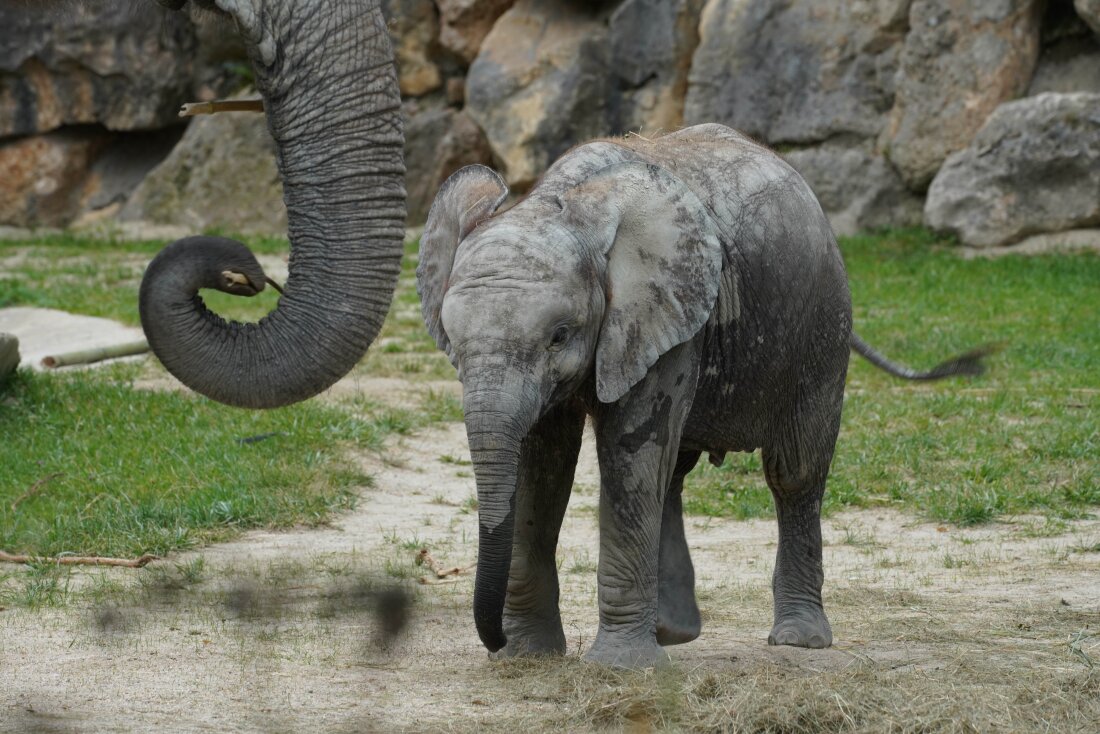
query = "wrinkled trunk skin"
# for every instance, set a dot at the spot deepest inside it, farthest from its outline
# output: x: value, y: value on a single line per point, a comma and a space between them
x: 325, y: 70
x: 496, y: 423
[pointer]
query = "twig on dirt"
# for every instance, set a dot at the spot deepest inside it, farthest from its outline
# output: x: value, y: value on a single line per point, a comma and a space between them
x: 35, y: 488
x: 191, y: 109
x: 80, y: 560
x: 88, y: 356
x: 442, y: 575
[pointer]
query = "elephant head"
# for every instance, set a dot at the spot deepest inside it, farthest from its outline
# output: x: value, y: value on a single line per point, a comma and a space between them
x: 325, y: 70
x: 576, y: 291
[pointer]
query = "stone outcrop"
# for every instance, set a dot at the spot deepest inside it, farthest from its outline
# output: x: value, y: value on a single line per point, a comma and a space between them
x: 1033, y: 167
x: 858, y: 190
x: 960, y: 60
x: 652, y: 42
x: 1089, y: 10
x: 786, y: 71
x: 126, y: 66
x: 414, y: 28
x: 540, y: 84
x: 221, y: 174
x: 438, y: 142
x: 45, y: 176
x: 465, y: 23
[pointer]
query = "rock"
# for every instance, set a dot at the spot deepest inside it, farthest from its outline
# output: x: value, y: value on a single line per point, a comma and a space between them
x: 45, y: 176
x: 539, y: 85
x: 127, y: 66
x: 125, y: 162
x: 960, y: 60
x: 796, y: 72
x: 1070, y: 57
x: 414, y: 28
x: 1072, y: 240
x: 1033, y: 167
x: 222, y: 67
x: 438, y: 141
x: 221, y: 174
x: 1089, y: 10
x: 465, y: 23
x: 858, y: 190
x: 652, y: 42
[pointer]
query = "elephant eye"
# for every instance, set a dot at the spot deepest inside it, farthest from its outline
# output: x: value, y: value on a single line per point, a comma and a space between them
x: 559, y: 337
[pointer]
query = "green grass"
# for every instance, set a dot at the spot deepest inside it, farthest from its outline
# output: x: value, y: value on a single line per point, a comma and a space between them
x: 1023, y: 439
x: 97, y: 467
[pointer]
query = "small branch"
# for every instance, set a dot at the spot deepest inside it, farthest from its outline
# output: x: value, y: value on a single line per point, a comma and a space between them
x: 80, y: 560
x: 424, y: 558
x: 191, y: 109
x: 35, y: 489
x: 88, y: 356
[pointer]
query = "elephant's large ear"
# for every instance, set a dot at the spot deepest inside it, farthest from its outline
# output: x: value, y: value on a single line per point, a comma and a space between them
x: 470, y: 195
x: 664, y: 262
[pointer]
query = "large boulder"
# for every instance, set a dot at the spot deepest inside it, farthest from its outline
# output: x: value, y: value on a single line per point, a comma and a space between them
x: 961, y: 59
x: 221, y: 174
x: 857, y: 189
x: 652, y: 42
x: 465, y: 23
x: 438, y: 142
x: 1089, y: 10
x: 45, y: 176
x: 126, y: 66
x: 1033, y: 167
x: 414, y: 29
x: 790, y: 71
x: 540, y: 84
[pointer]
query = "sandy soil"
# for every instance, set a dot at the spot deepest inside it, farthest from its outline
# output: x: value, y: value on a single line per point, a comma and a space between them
x: 989, y: 627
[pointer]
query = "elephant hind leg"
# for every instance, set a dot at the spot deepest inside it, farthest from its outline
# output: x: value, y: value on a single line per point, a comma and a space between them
x: 678, y: 619
x: 796, y: 474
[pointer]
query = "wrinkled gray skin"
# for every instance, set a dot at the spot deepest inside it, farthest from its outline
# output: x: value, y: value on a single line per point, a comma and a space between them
x: 325, y: 70
x: 688, y: 294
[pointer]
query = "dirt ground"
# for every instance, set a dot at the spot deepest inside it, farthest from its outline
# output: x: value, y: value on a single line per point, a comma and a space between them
x: 937, y: 629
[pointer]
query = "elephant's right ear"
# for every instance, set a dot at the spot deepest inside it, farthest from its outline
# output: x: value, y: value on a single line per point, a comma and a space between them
x: 466, y: 198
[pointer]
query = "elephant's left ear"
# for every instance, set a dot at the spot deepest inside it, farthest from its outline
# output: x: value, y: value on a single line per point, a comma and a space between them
x: 664, y: 263
x: 466, y: 198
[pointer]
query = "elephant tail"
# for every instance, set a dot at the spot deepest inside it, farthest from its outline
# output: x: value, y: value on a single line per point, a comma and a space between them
x: 969, y: 363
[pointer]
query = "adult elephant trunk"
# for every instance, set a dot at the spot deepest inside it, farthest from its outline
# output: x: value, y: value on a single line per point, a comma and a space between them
x: 495, y: 429
x: 325, y: 70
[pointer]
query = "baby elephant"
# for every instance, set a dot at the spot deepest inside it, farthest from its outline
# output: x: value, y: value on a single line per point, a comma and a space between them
x: 688, y: 294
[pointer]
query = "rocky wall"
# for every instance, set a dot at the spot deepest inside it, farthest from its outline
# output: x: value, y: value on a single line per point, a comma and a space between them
x: 888, y: 108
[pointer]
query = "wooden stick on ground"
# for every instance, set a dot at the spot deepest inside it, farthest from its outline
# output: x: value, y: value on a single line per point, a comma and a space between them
x: 80, y: 560
x: 87, y: 356
x: 424, y: 558
x: 191, y: 109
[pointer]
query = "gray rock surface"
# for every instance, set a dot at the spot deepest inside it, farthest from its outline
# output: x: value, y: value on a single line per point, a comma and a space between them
x: 46, y: 331
x: 439, y: 141
x: 465, y: 23
x: 858, y: 190
x: 221, y: 174
x: 1033, y: 167
x: 414, y: 29
x: 1089, y: 10
x: 960, y: 60
x: 44, y: 181
x: 540, y: 84
x: 126, y: 66
x: 652, y: 43
x: 796, y: 72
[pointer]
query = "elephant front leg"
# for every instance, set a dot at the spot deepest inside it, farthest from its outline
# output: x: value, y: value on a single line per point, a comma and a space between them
x: 637, y: 440
x: 532, y: 620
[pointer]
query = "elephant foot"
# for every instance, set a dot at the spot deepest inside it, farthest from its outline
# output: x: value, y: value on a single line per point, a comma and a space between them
x: 534, y: 642
x: 635, y: 655
x: 805, y: 628
x: 678, y: 631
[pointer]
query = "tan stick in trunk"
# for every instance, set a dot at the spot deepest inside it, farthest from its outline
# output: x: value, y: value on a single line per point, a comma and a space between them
x: 190, y: 109
x: 88, y: 356
x: 79, y: 560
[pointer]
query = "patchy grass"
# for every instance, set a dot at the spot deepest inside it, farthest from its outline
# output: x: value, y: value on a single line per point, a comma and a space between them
x: 1021, y: 440
x: 93, y: 466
